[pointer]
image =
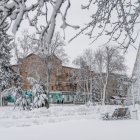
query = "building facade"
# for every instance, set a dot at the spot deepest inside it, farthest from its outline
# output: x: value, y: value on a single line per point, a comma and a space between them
x: 36, y: 67
x: 63, y: 78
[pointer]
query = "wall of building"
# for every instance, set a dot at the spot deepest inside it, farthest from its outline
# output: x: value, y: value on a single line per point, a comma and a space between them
x: 62, y: 77
x: 34, y: 66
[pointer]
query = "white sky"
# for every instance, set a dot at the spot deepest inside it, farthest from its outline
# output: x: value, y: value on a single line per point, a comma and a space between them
x: 76, y: 16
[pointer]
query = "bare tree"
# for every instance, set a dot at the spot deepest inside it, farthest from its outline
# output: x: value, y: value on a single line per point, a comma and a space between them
x: 99, y: 67
x: 108, y: 60
x: 56, y: 48
x: 47, y: 53
x: 41, y: 70
x: 85, y: 73
x: 27, y: 44
x: 115, y: 18
x: 81, y: 73
x: 23, y: 47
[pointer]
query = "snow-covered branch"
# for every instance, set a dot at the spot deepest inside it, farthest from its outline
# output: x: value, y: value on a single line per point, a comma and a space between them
x: 116, y: 19
x: 17, y: 10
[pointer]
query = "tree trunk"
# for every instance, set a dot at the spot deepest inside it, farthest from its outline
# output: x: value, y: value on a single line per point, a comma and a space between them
x: 0, y: 99
x: 104, y: 90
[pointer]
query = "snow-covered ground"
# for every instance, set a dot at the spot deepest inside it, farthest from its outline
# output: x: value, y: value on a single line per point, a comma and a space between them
x: 65, y: 122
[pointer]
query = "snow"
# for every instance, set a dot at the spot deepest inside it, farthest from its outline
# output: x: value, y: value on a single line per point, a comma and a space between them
x: 39, y: 97
x: 65, y: 122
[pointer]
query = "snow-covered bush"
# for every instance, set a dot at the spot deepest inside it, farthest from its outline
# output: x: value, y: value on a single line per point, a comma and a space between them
x: 24, y: 102
x: 18, y: 97
x: 39, y: 95
x: 13, y: 92
x: 40, y: 100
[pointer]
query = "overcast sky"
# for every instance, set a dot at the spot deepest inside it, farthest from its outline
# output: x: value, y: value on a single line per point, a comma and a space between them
x: 76, y: 16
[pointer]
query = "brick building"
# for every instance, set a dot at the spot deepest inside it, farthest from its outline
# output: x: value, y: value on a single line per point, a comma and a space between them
x: 34, y: 66
x: 60, y: 79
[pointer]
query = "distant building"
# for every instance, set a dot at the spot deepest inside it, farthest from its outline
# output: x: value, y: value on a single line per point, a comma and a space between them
x: 34, y: 66
x: 63, y: 78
